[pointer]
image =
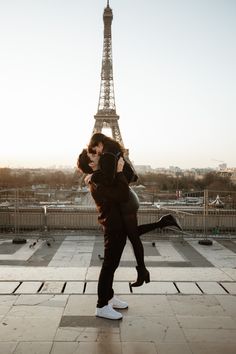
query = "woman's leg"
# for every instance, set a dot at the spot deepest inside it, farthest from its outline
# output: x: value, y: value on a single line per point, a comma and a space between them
x: 132, y: 233
x: 144, y: 228
x: 131, y: 227
x: 164, y: 221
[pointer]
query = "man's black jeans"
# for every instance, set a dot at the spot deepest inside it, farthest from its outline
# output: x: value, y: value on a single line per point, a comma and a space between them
x: 114, y: 243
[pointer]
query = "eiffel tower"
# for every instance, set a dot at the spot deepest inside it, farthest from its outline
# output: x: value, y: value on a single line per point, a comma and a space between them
x: 106, y: 116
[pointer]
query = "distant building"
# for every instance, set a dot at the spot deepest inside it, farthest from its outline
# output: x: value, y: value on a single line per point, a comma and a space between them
x: 222, y: 166
x: 174, y: 169
x: 161, y: 170
x: 190, y: 173
x: 233, y: 175
x: 143, y: 168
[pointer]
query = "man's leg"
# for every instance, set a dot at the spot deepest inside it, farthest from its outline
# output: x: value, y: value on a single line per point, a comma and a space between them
x: 114, y: 244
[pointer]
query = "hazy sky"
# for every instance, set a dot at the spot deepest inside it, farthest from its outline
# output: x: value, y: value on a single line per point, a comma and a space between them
x: 174, y: 64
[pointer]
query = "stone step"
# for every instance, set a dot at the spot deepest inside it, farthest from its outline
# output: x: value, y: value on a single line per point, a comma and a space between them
x: 90, y: 287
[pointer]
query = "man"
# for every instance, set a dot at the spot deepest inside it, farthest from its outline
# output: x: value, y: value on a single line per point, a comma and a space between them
x: 108, y: 199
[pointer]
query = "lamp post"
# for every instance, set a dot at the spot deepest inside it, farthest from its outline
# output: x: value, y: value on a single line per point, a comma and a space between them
x: 205, y: 241
x: 17, y: 239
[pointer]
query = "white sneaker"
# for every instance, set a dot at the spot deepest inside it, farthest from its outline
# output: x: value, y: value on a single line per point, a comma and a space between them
x: 107, y: 311
x: 117, y: 303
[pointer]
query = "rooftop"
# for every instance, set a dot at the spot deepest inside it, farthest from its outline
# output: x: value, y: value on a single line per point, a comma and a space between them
x: 48, y: 296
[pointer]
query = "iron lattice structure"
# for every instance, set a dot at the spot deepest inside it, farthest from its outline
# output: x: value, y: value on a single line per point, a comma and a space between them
x: 106, y: 116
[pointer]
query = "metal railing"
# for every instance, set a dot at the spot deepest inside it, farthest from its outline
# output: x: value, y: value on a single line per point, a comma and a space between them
x: 21, y: 212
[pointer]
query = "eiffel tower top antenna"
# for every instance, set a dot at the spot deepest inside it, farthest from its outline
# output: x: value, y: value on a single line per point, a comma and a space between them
x: 107, y: 3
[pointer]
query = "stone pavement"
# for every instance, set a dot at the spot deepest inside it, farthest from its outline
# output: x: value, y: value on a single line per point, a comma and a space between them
x: 48, y: 298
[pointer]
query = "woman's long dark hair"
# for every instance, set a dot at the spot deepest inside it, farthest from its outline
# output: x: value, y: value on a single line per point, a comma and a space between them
x: 109, y: 144
x: 83, y: 162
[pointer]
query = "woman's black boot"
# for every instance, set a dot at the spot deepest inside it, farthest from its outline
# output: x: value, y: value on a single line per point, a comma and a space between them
x: 168, y: 221
x: 143, y: 276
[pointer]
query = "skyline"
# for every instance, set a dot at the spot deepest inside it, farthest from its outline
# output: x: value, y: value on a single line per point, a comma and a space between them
x: 174, y: 78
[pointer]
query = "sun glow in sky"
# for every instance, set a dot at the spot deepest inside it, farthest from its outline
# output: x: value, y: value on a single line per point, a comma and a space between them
x: 174, y: 76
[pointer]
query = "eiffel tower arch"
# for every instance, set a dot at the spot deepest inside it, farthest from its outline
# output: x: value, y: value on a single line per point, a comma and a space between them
x: 106, y: 117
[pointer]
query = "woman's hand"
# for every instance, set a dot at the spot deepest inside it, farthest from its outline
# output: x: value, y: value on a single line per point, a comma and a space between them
x: 120, y: 164
x: 87, y: 179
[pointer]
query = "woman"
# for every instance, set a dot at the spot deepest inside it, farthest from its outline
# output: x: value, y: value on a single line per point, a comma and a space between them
x: 109, y: 150
x: 101, y: 144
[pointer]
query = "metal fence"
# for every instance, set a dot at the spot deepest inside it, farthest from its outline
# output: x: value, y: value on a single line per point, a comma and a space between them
x: 20, y: 211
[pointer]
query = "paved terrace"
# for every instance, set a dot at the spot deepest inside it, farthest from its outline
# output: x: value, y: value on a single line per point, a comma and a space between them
x: 48, y: 297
